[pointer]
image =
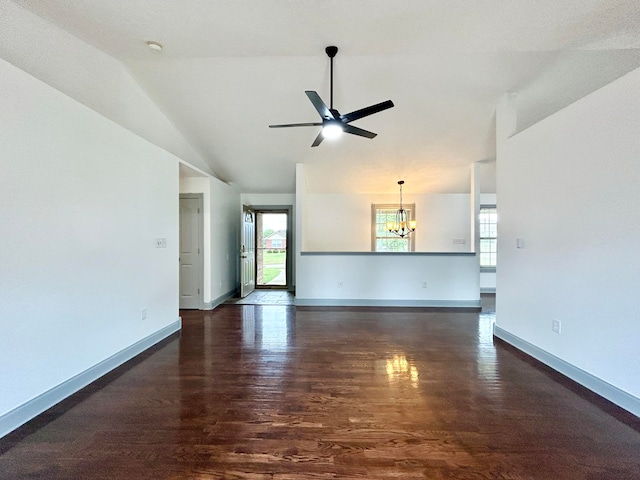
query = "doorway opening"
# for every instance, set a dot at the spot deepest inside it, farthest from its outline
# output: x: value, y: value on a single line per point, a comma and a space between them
x: 272, y: 249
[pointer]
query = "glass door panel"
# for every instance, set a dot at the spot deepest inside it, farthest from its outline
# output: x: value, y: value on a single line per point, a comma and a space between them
x: 271, y: 249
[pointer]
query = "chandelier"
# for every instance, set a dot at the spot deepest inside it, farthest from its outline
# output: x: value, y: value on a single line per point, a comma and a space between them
x: 403, y: 226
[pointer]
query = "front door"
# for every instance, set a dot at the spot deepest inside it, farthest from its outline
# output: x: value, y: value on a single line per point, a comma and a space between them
x: 248, y: 252
x: 190, y: 251
x: 271, y: 249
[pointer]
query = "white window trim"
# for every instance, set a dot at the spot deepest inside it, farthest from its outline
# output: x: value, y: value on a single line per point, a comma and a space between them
x: 392, y: 206
x: 488, y: 269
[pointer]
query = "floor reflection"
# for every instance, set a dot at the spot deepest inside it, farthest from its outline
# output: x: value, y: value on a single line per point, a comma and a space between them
x: 266, y: 328
x: 277, y: 329
x: 399, y: 369
x: 288, y: 393
x: 249, y: 326
x: 267, y: 335
x: 486, y: 358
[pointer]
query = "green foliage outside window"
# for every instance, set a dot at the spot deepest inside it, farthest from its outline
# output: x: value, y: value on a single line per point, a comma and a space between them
x: 384, y: 240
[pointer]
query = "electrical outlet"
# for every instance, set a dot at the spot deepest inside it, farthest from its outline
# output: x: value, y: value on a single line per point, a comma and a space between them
x: 161, y: 243
x: 556, y: 326
x: 424, y: 284
x: 143, y: 314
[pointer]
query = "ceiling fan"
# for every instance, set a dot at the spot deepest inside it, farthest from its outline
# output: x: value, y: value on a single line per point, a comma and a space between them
x: 333, y: 123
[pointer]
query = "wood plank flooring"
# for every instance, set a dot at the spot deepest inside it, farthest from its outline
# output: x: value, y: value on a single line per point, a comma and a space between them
x: 274, y: 392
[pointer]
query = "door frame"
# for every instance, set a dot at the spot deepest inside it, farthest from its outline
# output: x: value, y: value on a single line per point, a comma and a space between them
x: 289, y: 265
x: 200, y: 198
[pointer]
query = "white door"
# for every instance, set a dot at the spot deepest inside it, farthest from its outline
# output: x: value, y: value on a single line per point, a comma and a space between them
x: 248, y: 252
x: 190, y: 252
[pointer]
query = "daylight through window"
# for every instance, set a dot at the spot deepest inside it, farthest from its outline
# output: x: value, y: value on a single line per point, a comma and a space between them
x: 381, y: 239
x: 488, y: 236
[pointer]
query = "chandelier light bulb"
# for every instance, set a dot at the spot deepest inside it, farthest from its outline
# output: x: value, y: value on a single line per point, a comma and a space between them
x: 403, y: 226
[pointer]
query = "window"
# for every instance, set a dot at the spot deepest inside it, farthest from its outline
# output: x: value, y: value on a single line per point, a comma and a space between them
x: 381, y: 239
x: 276, y: 243
x: 488, y: 236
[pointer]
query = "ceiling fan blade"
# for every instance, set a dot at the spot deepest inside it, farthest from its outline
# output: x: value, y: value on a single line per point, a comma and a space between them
x: 322, y: 109
x: 331, y: 118
x: 287, y: 125
x: 363, y: 112
x: 358, y: 131
x: 318, y: 139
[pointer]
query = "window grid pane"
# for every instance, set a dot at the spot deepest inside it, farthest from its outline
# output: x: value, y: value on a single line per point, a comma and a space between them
x: 488, y: 236
x: 386, y: 241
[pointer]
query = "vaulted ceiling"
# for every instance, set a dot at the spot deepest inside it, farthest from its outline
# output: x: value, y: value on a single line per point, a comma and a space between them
x: 230, y: 68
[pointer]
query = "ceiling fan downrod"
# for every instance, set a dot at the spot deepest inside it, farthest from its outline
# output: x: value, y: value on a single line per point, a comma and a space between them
x: 330, y: 119
x: 331, y: 52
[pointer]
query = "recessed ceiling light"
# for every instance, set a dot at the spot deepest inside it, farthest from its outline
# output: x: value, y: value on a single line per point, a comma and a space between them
x: 154, y: 46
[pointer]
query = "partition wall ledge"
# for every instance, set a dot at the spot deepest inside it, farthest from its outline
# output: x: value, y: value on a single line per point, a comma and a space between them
x: 425, y: 254
x: 365, y: 302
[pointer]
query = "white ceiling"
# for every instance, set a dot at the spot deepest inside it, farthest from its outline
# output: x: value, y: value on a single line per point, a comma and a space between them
x: 229, y: 68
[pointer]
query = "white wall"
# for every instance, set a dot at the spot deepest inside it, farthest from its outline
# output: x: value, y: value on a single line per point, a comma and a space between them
x: 388, y: 280
x: 488, y: 199
x: 268, y: 199
x: 488, y: 282
x: 221, y: 236
x: 336, y: 224
x: 300, y: 223
x: 82, y: 201
x: 569, y: 188
x: 88, y: 75
x: 342, y: 222
x: 226, y: 217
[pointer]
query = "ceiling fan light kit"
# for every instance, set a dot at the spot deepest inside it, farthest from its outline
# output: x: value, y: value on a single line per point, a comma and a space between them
x: 333, y: 123
x: 331, y: 130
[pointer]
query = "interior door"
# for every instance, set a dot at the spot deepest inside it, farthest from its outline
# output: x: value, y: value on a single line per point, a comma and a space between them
x: 248, y: 252
x: 190, y: 252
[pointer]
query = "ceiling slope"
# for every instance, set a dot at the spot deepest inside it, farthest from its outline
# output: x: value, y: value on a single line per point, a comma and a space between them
x: 229, y: 69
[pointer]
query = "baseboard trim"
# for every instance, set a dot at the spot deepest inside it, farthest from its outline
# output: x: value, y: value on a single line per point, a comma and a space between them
x: 34, y: 407
x: 595, y: 384
x: 220, y: 300
x: 487, y: 289
x: 355, y: 302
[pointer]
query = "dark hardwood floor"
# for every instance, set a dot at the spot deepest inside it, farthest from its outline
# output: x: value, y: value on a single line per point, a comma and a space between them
x: 274, y: 392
